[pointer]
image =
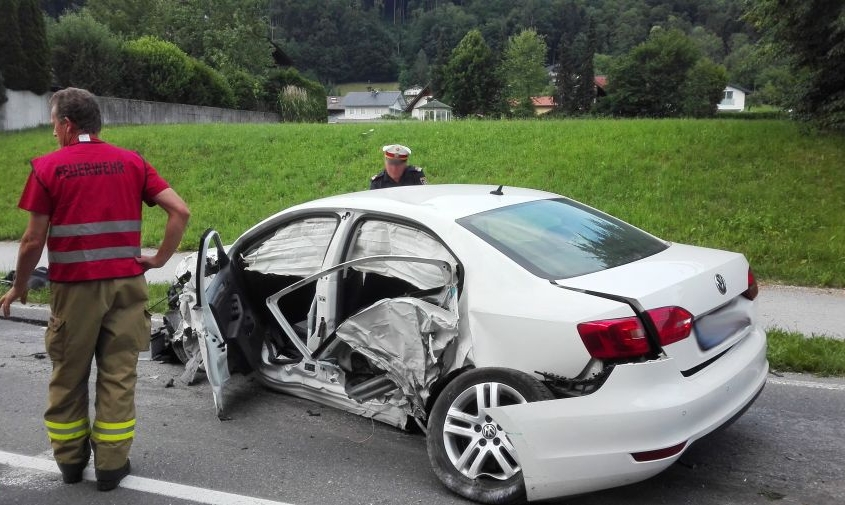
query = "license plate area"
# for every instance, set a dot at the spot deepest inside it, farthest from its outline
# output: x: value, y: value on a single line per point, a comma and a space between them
x: 720, y: 325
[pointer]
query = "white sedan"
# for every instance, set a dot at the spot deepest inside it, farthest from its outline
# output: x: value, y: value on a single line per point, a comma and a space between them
x: 544, y: 347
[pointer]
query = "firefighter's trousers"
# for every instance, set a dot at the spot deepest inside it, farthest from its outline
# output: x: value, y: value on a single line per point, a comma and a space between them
x: 104, y: 320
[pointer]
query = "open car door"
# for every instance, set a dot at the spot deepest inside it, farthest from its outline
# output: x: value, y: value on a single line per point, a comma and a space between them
x: 221, y: 315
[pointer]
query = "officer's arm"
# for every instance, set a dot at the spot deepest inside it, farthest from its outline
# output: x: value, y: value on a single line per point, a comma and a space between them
x: 32, y: 245
x: 177, y: 218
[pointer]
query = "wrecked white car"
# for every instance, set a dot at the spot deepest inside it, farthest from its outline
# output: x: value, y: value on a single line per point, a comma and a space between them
x: 545, y: 348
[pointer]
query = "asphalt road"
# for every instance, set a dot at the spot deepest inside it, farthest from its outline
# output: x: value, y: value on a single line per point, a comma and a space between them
x: 789, y: 448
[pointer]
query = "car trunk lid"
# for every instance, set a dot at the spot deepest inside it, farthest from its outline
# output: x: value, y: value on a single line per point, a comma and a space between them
x: 708, y: 283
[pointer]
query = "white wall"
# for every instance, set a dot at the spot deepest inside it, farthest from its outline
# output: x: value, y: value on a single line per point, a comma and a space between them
x: 24, y: 109
x: 366, y: 112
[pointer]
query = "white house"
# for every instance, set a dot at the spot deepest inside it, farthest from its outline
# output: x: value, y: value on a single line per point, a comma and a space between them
x: 369, y: 105
x: 733, y: 99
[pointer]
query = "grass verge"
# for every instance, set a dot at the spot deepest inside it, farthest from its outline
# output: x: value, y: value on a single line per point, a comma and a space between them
x: 794, y: 352
x: 763, y: 188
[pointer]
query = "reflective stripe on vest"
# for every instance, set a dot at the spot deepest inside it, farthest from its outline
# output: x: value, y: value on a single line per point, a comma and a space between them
x: 113, y: 432
x: 67, y: 431
x: 79, y: 230
x: 105, y: 253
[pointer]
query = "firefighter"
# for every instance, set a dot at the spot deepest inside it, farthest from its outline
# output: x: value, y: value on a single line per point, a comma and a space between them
x: 85, y: 202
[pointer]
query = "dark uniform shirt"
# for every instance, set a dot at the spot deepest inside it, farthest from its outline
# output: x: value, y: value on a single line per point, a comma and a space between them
x: 412, y: 176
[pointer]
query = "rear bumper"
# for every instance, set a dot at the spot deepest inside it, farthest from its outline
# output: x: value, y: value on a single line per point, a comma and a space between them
x: 577, y: 445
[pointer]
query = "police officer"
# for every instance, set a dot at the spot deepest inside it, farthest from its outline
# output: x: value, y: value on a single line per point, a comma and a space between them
x: 396, y: 171
x: 85, y: 203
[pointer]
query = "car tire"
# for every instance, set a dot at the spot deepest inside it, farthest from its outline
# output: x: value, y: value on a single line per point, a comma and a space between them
x: 479, y: 466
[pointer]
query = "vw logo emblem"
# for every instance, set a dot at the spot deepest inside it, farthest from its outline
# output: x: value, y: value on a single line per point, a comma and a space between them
x: 720, y: 284
x: 488, y: 431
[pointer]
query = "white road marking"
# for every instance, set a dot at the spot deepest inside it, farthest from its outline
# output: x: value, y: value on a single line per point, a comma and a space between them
x: 807, y: 384
x: 160, y: 487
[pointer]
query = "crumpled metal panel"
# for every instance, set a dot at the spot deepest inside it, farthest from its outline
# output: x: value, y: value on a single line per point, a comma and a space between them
x: 407, y: 338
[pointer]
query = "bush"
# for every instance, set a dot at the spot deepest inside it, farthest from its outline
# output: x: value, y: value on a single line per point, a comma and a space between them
x: 207, y: 86
x: 160, y: 71
x: 295, y: 98
x: 246, y: 89
x: 87, y: 55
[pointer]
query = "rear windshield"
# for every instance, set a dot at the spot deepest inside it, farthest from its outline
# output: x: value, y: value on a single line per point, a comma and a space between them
x: 560, y: 238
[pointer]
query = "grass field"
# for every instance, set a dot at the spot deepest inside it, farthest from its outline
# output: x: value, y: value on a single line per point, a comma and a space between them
x: 762, y: 187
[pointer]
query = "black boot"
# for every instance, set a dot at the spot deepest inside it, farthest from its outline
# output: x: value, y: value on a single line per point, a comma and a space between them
x: 110, y: 479
x: 72, y: 472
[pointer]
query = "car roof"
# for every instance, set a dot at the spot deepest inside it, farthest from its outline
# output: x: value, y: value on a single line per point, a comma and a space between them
x: 439, y: 201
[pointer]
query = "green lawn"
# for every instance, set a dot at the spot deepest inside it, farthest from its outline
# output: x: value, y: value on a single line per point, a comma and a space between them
x: 760, y: 187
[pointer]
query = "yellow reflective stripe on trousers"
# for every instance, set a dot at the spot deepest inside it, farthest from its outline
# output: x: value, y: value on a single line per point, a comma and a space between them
x: 67, y: 431
x: 113, y: 432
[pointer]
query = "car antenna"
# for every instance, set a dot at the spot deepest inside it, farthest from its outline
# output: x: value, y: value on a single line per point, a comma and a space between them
x: 497, y: 191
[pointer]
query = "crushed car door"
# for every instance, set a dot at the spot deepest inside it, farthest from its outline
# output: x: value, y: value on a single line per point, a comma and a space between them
x: 221, y: 312
x: 402, y: 334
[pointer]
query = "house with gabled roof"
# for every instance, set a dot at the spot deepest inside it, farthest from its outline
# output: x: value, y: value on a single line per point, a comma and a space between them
x: 370, y: 105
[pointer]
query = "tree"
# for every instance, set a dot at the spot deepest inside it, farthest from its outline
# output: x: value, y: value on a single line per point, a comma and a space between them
x: 470, y: 82
x: 55, y: 8
x: 417, y: 74
x: 703, y: 88
x: 86, y: 54
x: 225, y: 34
x: 523, y: 66
x: 11, y: 52
x: 575, y: 87
x: 129, y: 19
x: 812, y: 34
x: 649, y: 80
x: 36, y: 65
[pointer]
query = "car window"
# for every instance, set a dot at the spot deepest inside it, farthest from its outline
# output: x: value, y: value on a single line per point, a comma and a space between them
x: 559, y: 238
x: 297, y: 248
x: 376, y: 238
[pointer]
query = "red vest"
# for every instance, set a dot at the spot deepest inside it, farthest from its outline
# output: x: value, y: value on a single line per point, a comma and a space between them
x: 94, y: 192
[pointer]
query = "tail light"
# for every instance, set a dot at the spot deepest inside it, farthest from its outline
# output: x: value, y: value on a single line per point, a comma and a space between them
x: 626, y: 337
x: 751, y: 292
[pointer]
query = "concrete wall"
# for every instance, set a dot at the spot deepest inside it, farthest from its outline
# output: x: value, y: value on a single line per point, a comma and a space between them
x: 26, y: 110
x: 125, y: 111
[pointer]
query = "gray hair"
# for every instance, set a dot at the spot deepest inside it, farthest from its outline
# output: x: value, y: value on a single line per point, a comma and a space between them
x: 80, y: 107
